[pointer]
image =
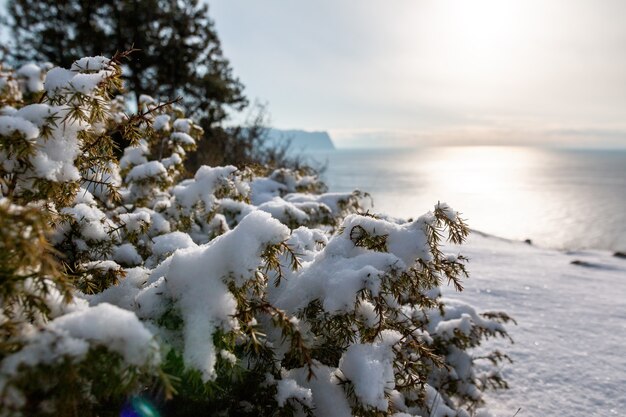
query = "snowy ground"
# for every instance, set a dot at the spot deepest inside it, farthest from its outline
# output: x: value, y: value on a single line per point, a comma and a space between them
x: 570, y: 341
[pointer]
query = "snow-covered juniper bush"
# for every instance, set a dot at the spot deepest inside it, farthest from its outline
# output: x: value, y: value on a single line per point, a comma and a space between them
x: 229, y: 292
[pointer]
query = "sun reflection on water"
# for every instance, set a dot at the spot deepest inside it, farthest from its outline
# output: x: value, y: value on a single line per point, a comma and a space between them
x: 480, y: 170
x: 500, y: 179
x: 556, y: 198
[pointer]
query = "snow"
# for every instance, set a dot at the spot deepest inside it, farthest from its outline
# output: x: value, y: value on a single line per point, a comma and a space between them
x: 228, y: 357
x: 158, y: 223
x: 161, y: 122
x: 94, y: 63
x: 328, y: 395
x: 135, y: 222
x: 439, y: 407
x: 84, y: 77
x: 447, y: 211
x: 170, y: 242
x: 54, y: 155
x: 146, y: 170
x: 93, y: 223
x: 288, y: 389
x: 182, y: 125
x: 123, y: 294
x: 85, y: 197
x: 86, y: 83
x: 370, y: 369
x: 367, y: 314
x: 54, y: 159
x: 459, y: 316
x: 126, y: 254
x: 135, y: 155
x: 46, y: 348
x: 569, y: 342
x: 354, y: 268
x: 145, y: 99
x: 171, y: 161
x: 195, y: 280
x: 102, y: 266
x: 331, y: 200
x: 37, y: 113
x: 203, y: 186
x: 284, y: 211
x: 33, y: 77
x: 10, y: 125
x: 71, y: 336
x: 182, y: 138
x: 116, y: 329
x: 57, y: 79
x: 265, y: 189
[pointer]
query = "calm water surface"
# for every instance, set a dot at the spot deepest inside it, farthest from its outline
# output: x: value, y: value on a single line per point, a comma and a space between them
x: 566, y: 199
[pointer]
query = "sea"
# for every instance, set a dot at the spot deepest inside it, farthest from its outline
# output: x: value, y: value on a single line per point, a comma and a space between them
x: 556, y: 198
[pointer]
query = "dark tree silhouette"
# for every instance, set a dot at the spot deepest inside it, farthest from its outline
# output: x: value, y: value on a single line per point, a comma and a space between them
x: 179, y: 52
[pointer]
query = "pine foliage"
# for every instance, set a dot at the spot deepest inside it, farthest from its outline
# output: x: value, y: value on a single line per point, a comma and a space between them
x: 235, y: 292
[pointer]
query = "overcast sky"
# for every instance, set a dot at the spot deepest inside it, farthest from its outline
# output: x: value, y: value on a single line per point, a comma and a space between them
x: 407, y: 72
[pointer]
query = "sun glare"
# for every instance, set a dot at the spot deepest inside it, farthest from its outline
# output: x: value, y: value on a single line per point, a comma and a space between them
x: 481, y: 169
x: 478, y: 45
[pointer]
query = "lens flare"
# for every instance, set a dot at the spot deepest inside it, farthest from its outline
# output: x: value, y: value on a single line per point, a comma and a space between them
x: 139, y: 407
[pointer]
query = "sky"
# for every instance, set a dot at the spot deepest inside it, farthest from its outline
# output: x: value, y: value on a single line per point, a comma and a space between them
x: 424, y: 72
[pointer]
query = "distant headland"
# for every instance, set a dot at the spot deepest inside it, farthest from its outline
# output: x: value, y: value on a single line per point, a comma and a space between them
x: 302, y: 140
